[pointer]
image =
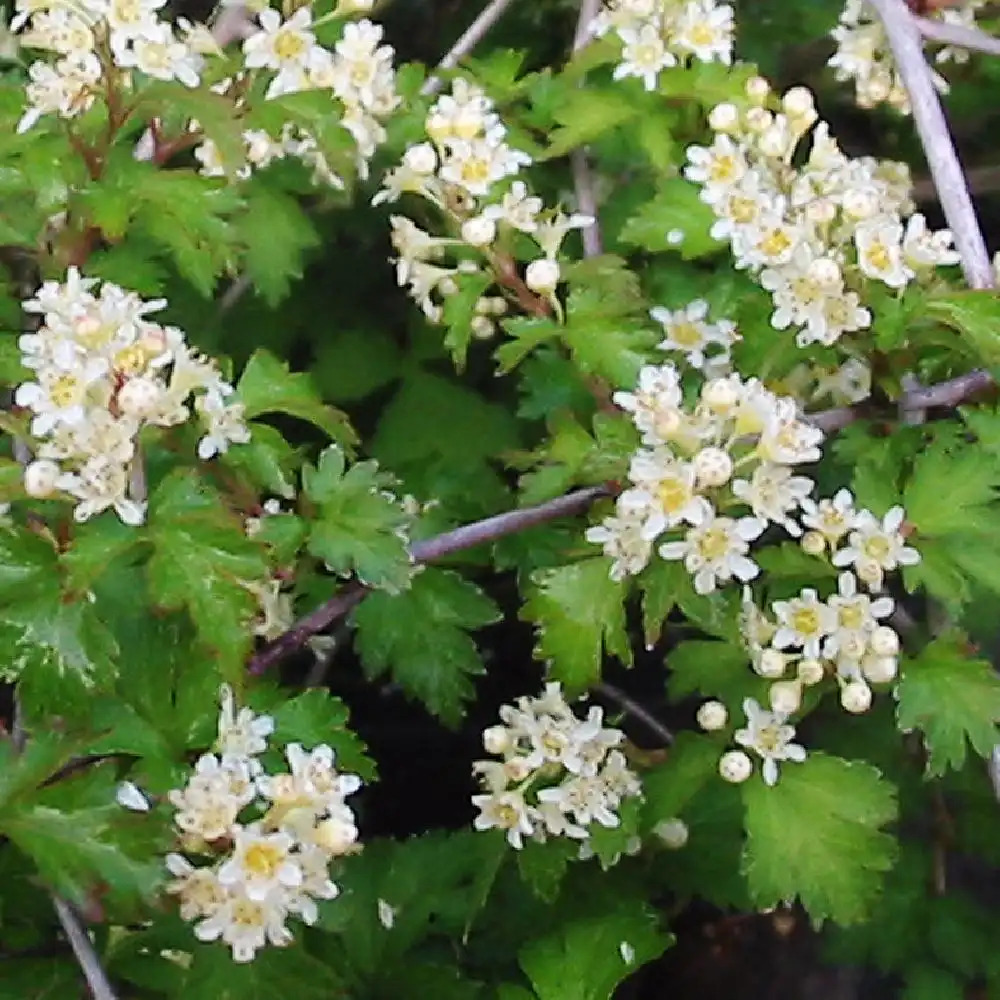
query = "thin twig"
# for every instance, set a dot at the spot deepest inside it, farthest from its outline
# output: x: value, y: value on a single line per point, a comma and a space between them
x: 471, y: 37
x: 907, y: 48
x: 83, y: 949
x: 583, y: 176
x: 465, y: 537
x: 632, y: 707
x: 957, y: 35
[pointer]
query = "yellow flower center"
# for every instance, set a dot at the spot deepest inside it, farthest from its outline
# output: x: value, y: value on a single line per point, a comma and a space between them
x: 685, y: 334
x: 722, y: 169
x: 289, y: 45
x: 701, y: 35
x: 247, y: 913
x: 742, y: 210
x: 877, y: 257
x: 805, y: 621
x: 673, y: 494
x: 768, y: 739
x: 130, y: 360
x: 65, y: 390
x: 507, y: 816
x: 877, y: 547
x: 263, y: 860
x: 475, y: 170
x: 714, y: 544
x: 775, y: 243
x: 852, y: 616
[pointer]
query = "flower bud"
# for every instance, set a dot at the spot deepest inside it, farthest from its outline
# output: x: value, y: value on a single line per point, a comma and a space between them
x: 713, y: 467
x: 479, y: 231
x: 860, y: 203
x: 758, y: 89
x: 138, y: 397
x: 852, y: 646
x: 448, y: 286
x: 771, y: 663
x: 497, y: 740
x: 758, y: 120
x: 673, y: 833
x: 856, y: 697
x: 735, y: 766
x: 40, y: 478
x: 421, y: 159
x: 785, y: 697
x: 798, y: 103
x: 884, y: 641
x: 542, y: 276
x: 825, y: 272
x: 481, y: 327
x: 712, y: 716
x: 880, y: 669
x: 724, y: 118
x: 813, y: 543
x: 720, y: 395
x: 810, y: 672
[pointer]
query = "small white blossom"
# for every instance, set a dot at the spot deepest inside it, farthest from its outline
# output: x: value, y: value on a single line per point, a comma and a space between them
x: 770, y: 737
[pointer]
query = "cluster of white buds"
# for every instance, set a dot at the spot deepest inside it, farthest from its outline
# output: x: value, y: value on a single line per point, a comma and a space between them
x: 846, y: 635
x: 815, y: 229
x: 263, y: 870
x: 769, y: 736
x: 557, y: 776
x: 103, y: 372
x: 462, y: 170
x: 659, y: 34
x: 358, y: 72
x: 97, y: 45
x: 704, y: 345
x: 716, y: 474
x: 864, y: 56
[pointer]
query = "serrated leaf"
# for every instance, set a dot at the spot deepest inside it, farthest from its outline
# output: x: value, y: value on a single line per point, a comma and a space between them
x: 421, y: 638
x: 201, y: 560
x: 586, y: 959
x: 542, y: 866
x: 316, y: 717
x: 676, y: 207
x: 975, y: 314
x: 274, y: 972
x: 459, y: 311
x: 691, y: 763
x: 578, y: 611
x: 586, y: 114
x: 952, y: 698
x: 267, y: 386
x: 713, y: 670
x: 359, y: 528
x: 817, y: 835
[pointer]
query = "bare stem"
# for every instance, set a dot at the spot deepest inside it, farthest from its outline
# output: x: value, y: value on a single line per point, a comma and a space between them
x: 632, y: 707
x: 83, y: 949
x: 583, y: 177
x: 471, y: 37
x: 957, y: 35
x: 905, y: 41
x: 457, y: 540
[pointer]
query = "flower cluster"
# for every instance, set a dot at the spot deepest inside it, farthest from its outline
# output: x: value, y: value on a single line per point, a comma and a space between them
x: 659, y: 34
x: 461, y: 169
x: 263, y: 870
x: 813, y: 229
x: 863, y: 54
x: 358, y: 72
x: 104, y: 371
x: 557, y: 774
x: 716, y: 474
x: 769, y: 736
x: 846, y: 635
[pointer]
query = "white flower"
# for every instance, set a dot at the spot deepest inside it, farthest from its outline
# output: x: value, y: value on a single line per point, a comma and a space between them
x: 655, y: 404
x: 705, y: 29
x: 769, y: 736
x: 644, y: 55
x: 280, y: 45
x: 246, y: 925
x: 830, y: 519
x: 715, y: 552
x: 261, y: 863
x: 857, y: 618
x: 504, y: 811
x: 688, y: 332
x: 241, y: 733
x: 199, y: 891
x: 542, y: 276
x: 667, y: 491
x: 803, y: 621
x: 874, y: 547
x: 625, y: 539
x: 772, y: 493
x: 880, y: 254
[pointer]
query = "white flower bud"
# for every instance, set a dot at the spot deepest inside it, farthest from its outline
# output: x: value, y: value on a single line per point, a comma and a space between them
x: 40, y: 478
x: 482, y: 328
x: 497, y: 740
x: 140, y: 396
x: 735, y: 766
x: 479, y: 231
x: 785, y: 697
x: 884, y: 641
x: 813, y: 543
x: 448, y: 286
x: 673, y: 833
x: 713, y: 467
x: 798, y: 103
x: 758, y: 89
x: 517, y: 769
x: 856, y: 697
x: 720, y: 395
x: 724, y: 118
x: 860, y: 203
x: 880, y: 669
x: 852, y: 646
x: 774, y: 142
x: 758, y: 120
x: 810, y: 672
x: 771, y: 663
x: 712, y: 715
x: 421, y: 159
x: 825, y: 271
x: 542, y: 276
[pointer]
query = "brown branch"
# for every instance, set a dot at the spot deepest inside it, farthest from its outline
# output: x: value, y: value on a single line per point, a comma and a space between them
x: 429, y: 550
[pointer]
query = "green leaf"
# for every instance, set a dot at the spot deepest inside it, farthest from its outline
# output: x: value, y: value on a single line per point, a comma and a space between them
x: 201, y: 560
x: 459, y: 311
x: 421, y: 637
x: 353, y: 363
x: 952, y: 699
x: 585, y: 115
x: 675, y: 207
x: 542, y: 866
x: 931, y: 982
x: 267, y: 459
x: 267, y: 386
x: 316, y: 717
x: 586, y: 959
x: 975, y: 315
x: 274, y: 972
x: 691, y: 763
x: 359, y: 528
x: 578, y: 611
x: 276, y: 233
x: 22, y: 773
x: 817, y: 835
